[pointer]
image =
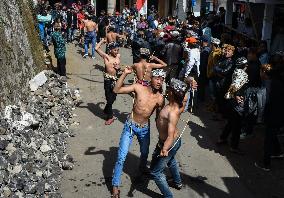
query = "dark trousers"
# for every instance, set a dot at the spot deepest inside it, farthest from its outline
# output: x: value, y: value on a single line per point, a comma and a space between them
x: 110, y: 97
x: 220, y: 100
x: 248, y: 124
x: 61, y: 66
x: 271, y: 144
x: 234, y: 124
x: 202, y: 82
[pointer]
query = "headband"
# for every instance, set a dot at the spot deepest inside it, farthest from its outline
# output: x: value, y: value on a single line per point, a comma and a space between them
x: 159, y: 73
x: 178, y: 86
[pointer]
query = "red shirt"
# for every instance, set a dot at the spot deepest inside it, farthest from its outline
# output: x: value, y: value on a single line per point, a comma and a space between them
x: 80, y: 17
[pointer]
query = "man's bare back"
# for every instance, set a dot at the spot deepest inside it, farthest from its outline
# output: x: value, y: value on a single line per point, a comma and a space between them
x: 163, y: 121
x: 143, y: 69
x: 90, y: 26
x: 111, y: 37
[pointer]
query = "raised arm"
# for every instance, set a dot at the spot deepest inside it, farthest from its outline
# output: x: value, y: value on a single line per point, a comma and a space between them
x: 99, y: 50
x: 119, y: 88
x: 173, y: 120
x: 158, y: 65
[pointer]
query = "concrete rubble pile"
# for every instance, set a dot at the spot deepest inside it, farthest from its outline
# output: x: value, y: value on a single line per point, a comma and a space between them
x: 33, y: 138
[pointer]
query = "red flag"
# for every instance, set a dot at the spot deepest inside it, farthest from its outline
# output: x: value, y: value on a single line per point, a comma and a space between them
x: 142, y: 6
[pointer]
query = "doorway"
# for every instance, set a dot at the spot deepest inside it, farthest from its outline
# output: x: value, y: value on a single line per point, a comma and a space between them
x: 154, y: 3
x: 101, y: 5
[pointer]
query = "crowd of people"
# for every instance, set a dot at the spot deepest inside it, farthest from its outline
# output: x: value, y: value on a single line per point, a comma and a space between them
x: 237, y: 78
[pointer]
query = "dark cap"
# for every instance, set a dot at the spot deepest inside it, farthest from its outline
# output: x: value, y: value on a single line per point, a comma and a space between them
x: 205, y: 38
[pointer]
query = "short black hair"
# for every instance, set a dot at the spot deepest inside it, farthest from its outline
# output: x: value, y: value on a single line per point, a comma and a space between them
x: 177, y: 96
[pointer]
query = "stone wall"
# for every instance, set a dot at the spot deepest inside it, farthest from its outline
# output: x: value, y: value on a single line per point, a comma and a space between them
x: 21, y: 53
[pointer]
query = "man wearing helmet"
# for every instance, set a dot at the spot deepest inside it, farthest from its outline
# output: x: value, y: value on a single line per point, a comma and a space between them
x: 147, y: 100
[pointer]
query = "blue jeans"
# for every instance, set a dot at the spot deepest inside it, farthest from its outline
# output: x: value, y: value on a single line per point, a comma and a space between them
x: 158, y: 166
x: 143, y: 135
x: 90, y: 37
x: 41, y: 27
x: 70, y: 34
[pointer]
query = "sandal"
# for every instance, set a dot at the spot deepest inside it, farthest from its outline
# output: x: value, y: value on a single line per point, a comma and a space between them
x: 116, y: 195
x: 109, y: 121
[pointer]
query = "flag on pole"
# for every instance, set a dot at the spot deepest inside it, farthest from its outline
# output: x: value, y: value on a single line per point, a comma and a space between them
x: 142, y: 6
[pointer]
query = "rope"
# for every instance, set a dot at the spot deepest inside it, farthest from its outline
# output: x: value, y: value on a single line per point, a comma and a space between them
x: 185, y: 123
x: 185, y: 126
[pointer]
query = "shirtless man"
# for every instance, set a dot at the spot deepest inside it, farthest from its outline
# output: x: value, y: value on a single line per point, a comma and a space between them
x: 112, y: 66
x: 169, y: 141
x: 112, y: 36
x: 147, y: 100
x: 90, y: 29
x: 143, y: 68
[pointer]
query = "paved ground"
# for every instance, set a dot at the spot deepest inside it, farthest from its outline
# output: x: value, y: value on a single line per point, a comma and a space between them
x: 207, y: 171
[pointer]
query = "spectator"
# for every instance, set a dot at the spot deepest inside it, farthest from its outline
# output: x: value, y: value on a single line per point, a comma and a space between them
x: 236, y: 100
x: 59, y: 49
x: 274, y: 119
x: 204, y: 54
x: 263, y: 52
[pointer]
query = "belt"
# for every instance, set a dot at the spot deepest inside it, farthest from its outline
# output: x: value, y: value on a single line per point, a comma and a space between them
x: 111, y: 77
x: 137, y: 124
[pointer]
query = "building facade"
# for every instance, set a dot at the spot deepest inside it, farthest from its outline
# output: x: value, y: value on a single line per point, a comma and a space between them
x: 266, y: 17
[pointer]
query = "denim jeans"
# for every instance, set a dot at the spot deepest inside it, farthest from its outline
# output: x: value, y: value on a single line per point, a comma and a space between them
x: 41, y: 27
x: 143, y: 135
x: 70, y: 34
x: 158, y: 166
x: 90, y: 38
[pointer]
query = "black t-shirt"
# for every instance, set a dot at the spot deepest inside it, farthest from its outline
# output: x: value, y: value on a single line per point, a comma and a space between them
x: 253, y: 71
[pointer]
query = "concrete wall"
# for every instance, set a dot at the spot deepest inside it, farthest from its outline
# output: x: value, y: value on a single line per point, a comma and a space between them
x: 182, y: 9
x: 21, y: 51
x: 111, y: 4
